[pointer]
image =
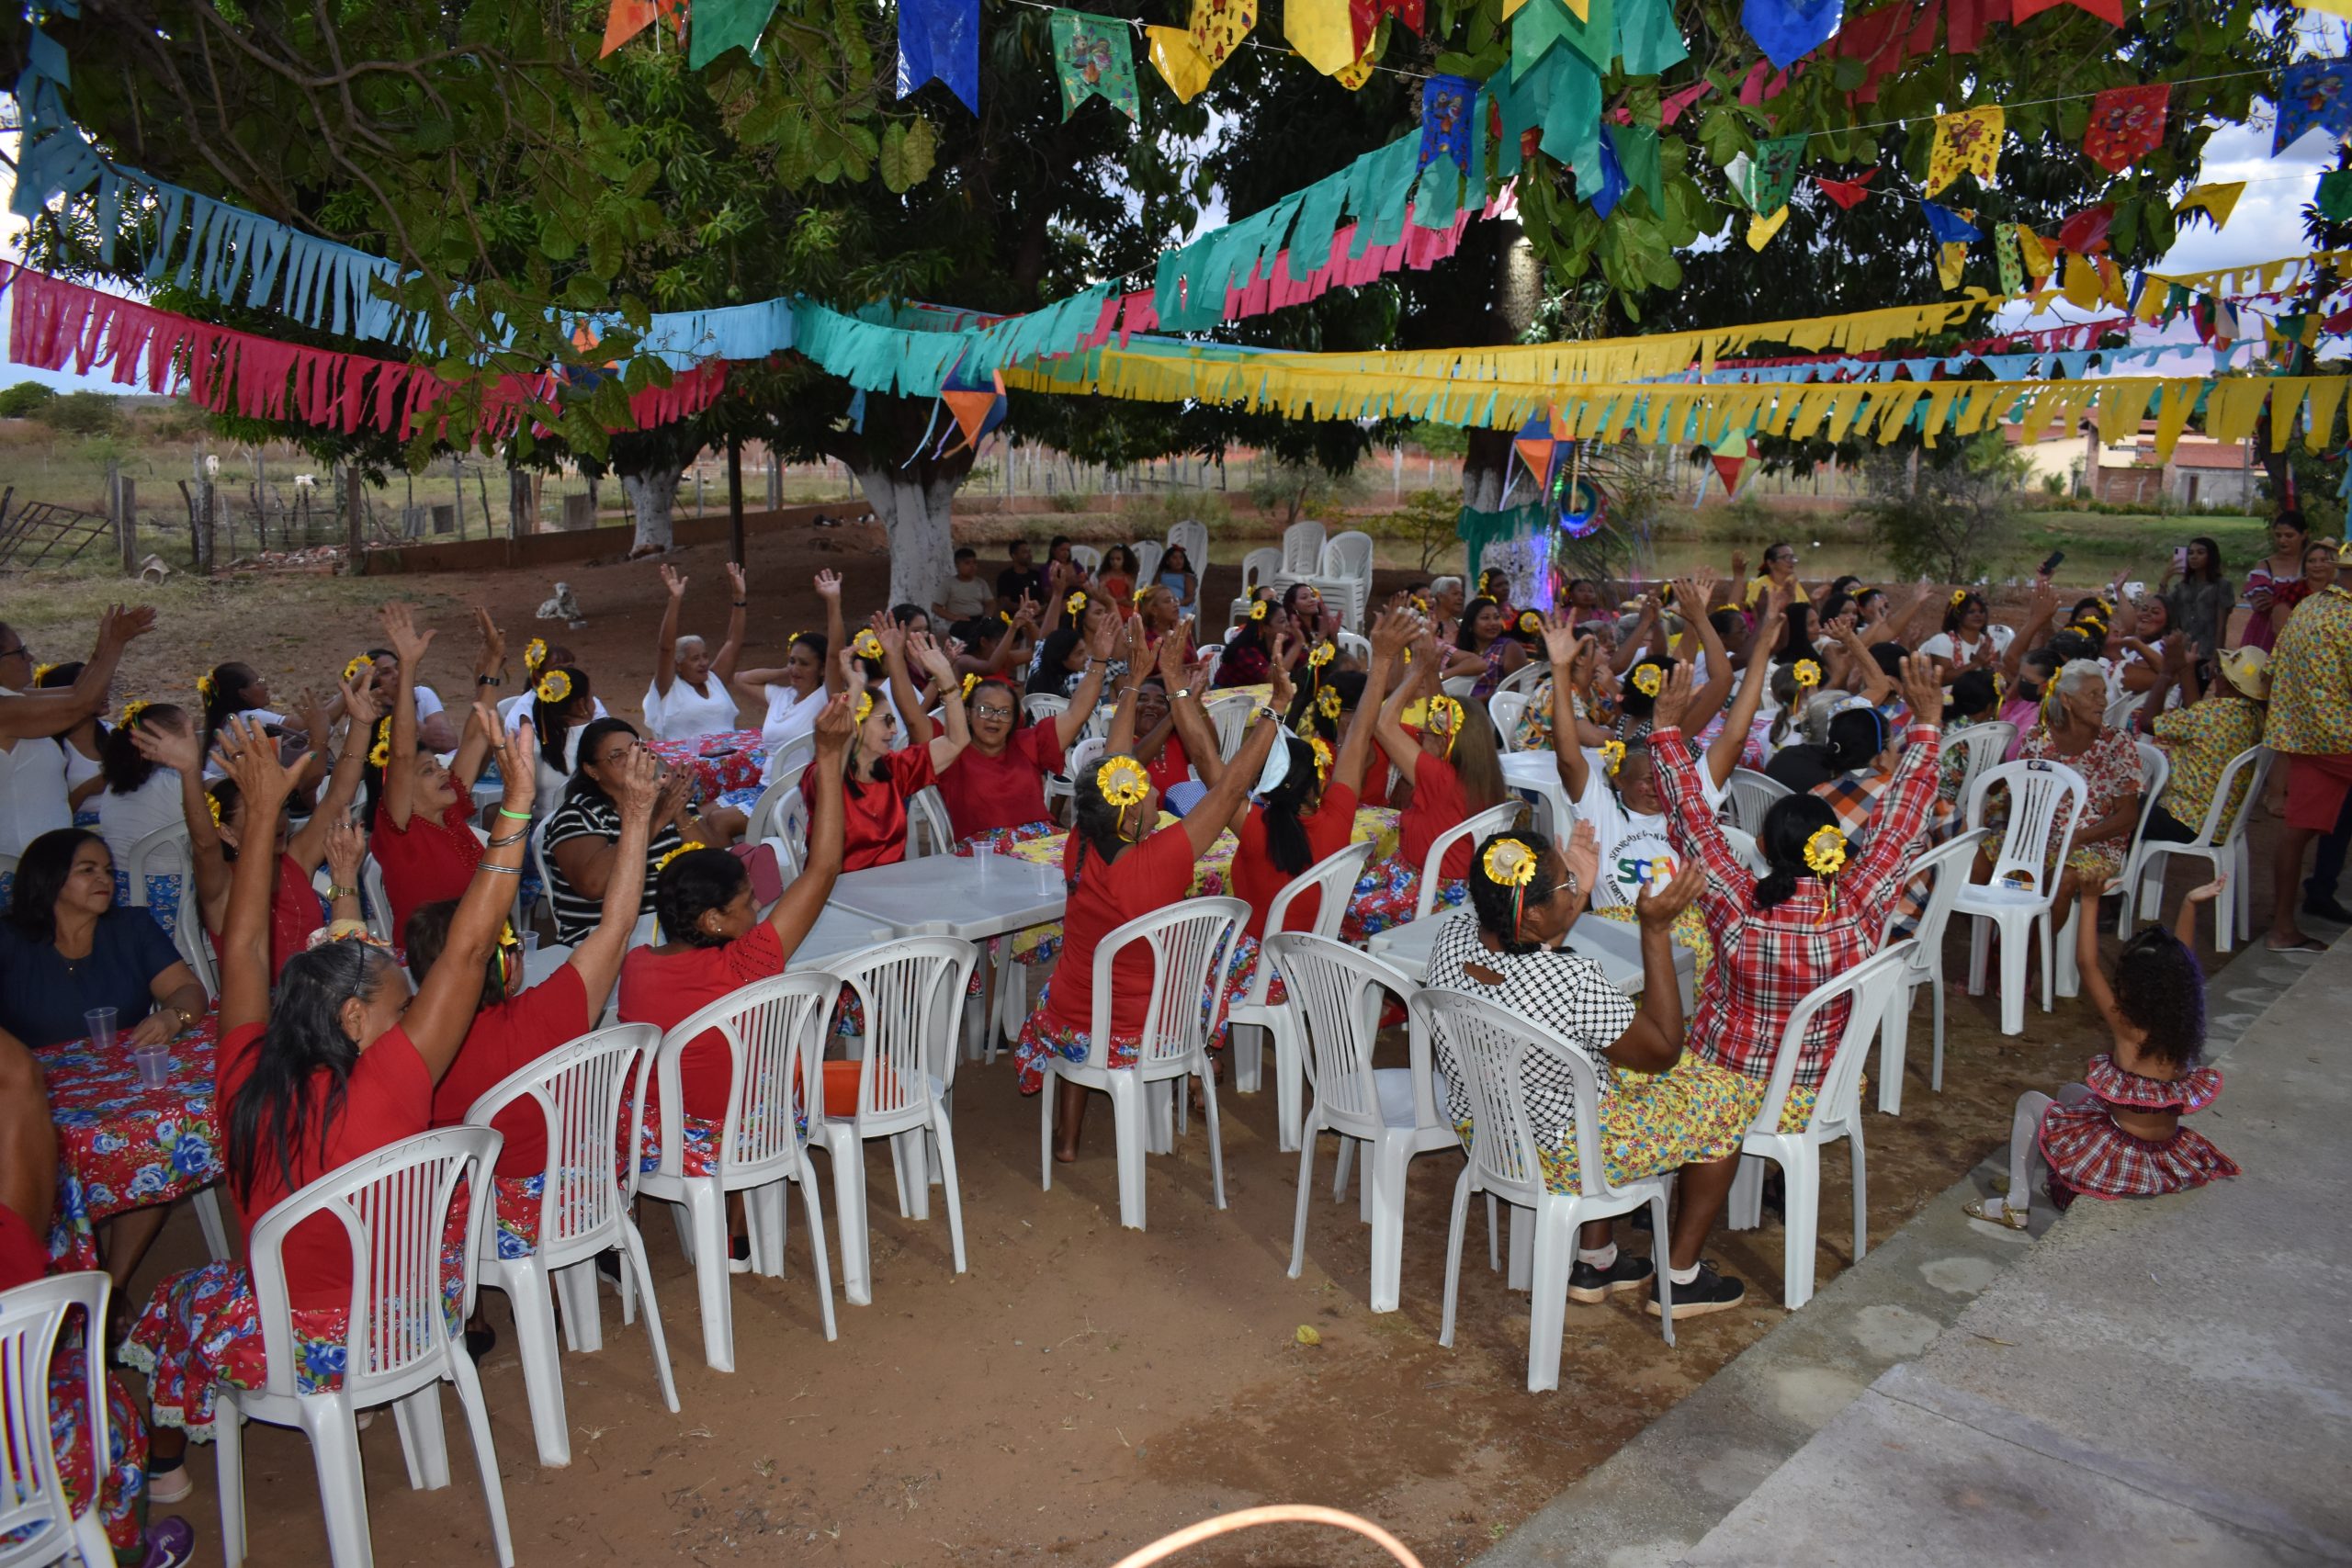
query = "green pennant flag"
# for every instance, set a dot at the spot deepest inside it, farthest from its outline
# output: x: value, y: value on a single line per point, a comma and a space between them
x: 1636, y: 147
x: 1094, y: 56
x: 1772, y: 174
x: 2005, y: 257
x: 1595, y: 37
x: 716, y: 26
x: 1538, y: 25
x: 2334, y: 195
x: 1647, y: 37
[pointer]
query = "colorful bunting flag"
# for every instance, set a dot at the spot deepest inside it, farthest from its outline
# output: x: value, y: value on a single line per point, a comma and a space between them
x: 1322, y: 33
x: 2082, y: 286
x: 1788, y: 30
x: 2005, y: 258
x: 1353, y: 75
x: 941, y: 38
x: 2125, y: 123
x: 2035, y: 256
x: 1179, y: 61
x: 1364, y: 16
x: 1761, y: 228
x: 1947, y: 226
x: 2315, y: 95
x: 1771, y: 178
x: 2085, y: 233
x: 1187, y: 58
x: 624, y: 21
x: 2216, y: 201
x: 1966, y: 143
x: 1845, y: 192
x: 1094, y: 58
x: 1445, y: 119
x: 2109, y: 11
x: 2334, y: 196
x: 1952, y: 259
x: 722, y: 24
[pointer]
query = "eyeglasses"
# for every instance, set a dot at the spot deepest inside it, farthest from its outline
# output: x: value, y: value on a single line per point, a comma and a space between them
x: 19, y: 651
x: 996, y: 713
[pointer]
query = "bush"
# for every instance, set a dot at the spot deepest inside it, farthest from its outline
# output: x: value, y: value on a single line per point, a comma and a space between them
x: 25, y: 399
x: 1427, y: 525
x: 81, y: 413
x: 1948, y: 521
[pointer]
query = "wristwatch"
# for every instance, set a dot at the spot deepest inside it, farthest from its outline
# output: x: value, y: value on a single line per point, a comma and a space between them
x: 1266, y: 710
x: 489, y: 679
x: 1181, y: 692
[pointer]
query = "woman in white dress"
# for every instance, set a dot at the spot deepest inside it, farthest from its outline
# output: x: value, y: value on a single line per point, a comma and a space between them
x: 794, y: 693
x: 32, y: 765
x: 82, y: 744
x: 692, y: 692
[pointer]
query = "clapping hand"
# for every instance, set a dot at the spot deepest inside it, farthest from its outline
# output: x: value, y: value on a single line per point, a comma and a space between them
x: 514, y: 752
x: 935, y: 661
x: 1395, y: 631
x: 1171, y: 656
x: 359, y: 704
x: 118, y: 626
x: 491, y: 659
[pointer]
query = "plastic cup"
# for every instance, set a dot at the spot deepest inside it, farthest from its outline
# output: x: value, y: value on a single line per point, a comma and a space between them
x: 101, y: 1022
x: 154, y: 1065
x: 530, y: 945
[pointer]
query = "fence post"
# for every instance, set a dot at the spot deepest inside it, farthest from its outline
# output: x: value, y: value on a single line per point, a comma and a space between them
x: 125, y: 535
x: 355, y: 558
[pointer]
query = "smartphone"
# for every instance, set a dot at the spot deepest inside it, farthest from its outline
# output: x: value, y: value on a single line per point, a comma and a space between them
x: 2050, y: 566
x: 2180, y: 558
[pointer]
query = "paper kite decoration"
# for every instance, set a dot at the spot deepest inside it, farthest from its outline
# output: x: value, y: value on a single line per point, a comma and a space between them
x: 1539, y: 446
x: 1730, y: 464
x: 2316, y: 95
x: 1094, y: 57
x: 1788, y: 30
x: 941, y: 38
x: 1446, y: 121
x: 2125, y: 123
x: 1966, y: 143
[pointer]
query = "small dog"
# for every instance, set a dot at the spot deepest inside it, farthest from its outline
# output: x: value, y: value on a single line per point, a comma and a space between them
x: 562, y: 607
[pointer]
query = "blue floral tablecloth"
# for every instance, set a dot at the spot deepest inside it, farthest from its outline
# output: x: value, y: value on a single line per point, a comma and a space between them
x: 121, y: 1145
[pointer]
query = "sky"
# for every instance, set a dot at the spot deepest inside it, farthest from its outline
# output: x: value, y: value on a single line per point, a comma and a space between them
x: 2267, y: 222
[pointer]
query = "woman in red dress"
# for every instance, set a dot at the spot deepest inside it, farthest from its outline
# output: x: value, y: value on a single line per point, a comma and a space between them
x: 419, y: 811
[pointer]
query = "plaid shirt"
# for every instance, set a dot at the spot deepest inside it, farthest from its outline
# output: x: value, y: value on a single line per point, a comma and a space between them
x: 1767, y: 961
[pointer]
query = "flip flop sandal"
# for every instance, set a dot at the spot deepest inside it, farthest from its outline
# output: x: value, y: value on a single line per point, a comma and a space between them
x: 2309, y: 944
x: 1978, y: 1209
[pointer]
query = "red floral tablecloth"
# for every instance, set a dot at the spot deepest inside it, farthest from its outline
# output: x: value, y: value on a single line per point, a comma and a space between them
x: 720, y: 762
x: 121, y: 1145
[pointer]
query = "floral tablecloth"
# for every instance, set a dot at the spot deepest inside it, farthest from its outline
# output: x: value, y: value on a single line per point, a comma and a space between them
x: 121, y: 1145
x: 719, y: 762
x: 1375, y: 825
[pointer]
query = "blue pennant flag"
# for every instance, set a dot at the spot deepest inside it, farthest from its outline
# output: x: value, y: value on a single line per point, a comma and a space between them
x: 1947, y: 225
x: 1613, y: 183
x: 1788, y: 30
x: 2316, y: 93
x: 941, y: 38
x: 1445, y: 119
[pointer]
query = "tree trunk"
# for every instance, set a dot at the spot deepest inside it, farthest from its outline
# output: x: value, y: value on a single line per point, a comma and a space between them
x: 916, y: 504
x: 652, y: 495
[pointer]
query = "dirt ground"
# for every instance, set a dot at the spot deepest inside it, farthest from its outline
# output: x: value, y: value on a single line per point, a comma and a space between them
x: 1084, y: 1388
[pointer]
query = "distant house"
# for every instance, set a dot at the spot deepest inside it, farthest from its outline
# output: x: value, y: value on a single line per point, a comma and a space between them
x: 2202, y: 472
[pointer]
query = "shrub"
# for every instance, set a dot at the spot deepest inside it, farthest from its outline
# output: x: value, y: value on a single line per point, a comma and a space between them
x: 24, y: 398
x: 81, y: 413
x: 1947, y: 522
x: 1427, y: 525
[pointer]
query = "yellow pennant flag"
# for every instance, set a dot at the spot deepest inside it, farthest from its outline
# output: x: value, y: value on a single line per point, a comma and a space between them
x: 1219, y: 26
x: 1761, y: 228
x: 2082, y: 286
x: 2033, y: 254
x: 2217, y: 200
x: 1966, y: 143
x: 2333, y: 7
x: 1321, y: 33
x: 1355, y: 76
x: 1951, y: 258
x: 1179, y: 61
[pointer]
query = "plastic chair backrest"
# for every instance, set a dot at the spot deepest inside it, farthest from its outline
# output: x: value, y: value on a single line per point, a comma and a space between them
x: 1086, y: 555
x: 1869, y: 985
x: 773, y: 1031
x: 1303, y: 548
x: 1985, y: 744
x: 1193, y: 535
x: 2155, y: 768
x: 1748, y: 794
x: 378, y: 907
x: 1190, y: 942
x: 1484, y: 1047
x: 506, y: 706
x: 1355, y: 647
x: 912, y: 994
x: 1348, y: 555
x: 1947, y: 863
x: 1211, y: 657
x: 1526, y: 678
x: 1494, y: 819
x: 1231, y: 714
x: 928, y: 832
x: 1043, y: 706
x: 195, y: 950
x: 1258, y: 569
x: 2120, y: 712
x: 2210, y: 831
x: 591, y: 1094
x: 1459, y: 686
x: 1333, y: 877
x: 539, y: 854
x: 1148, y: 557
x: 1504, y: 710
x: 32, y: 1493
x: 1084, y: 755
x: 1336, y: 993
x: 786, y: 765
x: 394, y: 1208
x: 2045, y: 802
x: 1743, y: 844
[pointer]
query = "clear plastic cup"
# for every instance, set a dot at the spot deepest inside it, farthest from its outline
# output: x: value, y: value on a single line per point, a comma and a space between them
x: 530, y: 946
x: 154, y: 1065
x: 101, y: 1022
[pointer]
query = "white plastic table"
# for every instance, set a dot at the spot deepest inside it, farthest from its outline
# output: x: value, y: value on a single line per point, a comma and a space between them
x: 837, y: 931
x: 972, y: 896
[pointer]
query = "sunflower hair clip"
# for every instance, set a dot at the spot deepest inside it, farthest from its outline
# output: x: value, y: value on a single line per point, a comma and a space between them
x: 1075, y: 604
x: 1824, y: 852
x: 1807, y: 674
x: 1258, y: 609
x: 972, y: 684
x: 554, y: 687
x: 1531, y: 624
x: 43, y: 672
x: 1509, y: 862
x: 534, y: 653
x: 1959, y: 597
x: 1123, y: 783
x: 1320, y: 655
x: 132, y: 709
x: 864, y: 710
x: 206, y: 687
x: 359, y: 664
x: 379, y: 755
x: 1612, y: 756
x: 1322, y: 750
x: 1328, y: 701
x: 1648, y: 681
x: 688, y: 847
x: 866, y: 645
x: 1445, y: 718
x: 212, y: 804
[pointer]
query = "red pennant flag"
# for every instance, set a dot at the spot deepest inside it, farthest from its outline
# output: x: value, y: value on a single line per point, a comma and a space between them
x: 2125, y: 123
x: 2085, y: 233
x: 1845, y: 192
x: 624, y: 21
x: 2109, y: 11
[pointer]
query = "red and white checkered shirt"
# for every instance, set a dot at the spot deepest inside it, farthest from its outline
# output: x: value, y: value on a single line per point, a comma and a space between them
x: 1767, y: 961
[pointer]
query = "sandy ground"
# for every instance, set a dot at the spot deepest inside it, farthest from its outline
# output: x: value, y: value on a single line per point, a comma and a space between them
x: 1084, y: 1388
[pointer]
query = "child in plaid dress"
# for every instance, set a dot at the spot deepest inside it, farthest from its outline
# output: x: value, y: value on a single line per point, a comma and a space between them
x: 2118, y: 1133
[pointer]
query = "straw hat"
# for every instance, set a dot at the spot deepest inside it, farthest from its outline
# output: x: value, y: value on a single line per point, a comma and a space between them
x: 2248, y: 669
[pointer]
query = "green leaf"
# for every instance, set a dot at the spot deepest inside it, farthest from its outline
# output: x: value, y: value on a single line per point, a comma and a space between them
x: 892, y: 163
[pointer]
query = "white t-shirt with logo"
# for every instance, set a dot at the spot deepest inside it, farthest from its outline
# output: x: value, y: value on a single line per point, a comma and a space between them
x: 1636, y: 847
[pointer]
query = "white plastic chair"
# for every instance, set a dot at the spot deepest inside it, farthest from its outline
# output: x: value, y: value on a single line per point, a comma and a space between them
x: 1526, y: 678
x: 1355, y: 646
x: 782, y: 824
x: 1191, y: 942
x: 1086, y: 557
x: 195, y: 950
x: 1985, y: 744
x: 2155, y: 770
x: 157, y: 854
x: 1836, y: 1114
x: 1494, y: 819
x: 1336, y: 995
x: 911, y: 991
x: 1194, y: 536
x: 2045, y: 802
x: 1043, y: 706
x: 2124, y: 710
x: 1081, y: 756
x: 1748, y: 794
x: 1148, y: 553
x: 1459, y: 686
x: 1743, y: 844
x: 1345, y: 578
x: 591, y: 1095
x: 537, y: 852
x: 2221, y: 845
x: 1537, y: 774
x: 774, y: 1033
x: 376, y: 905
x: 32, y: 1495
x: 1231, y: 714
x: 1489, y: 1044
x: 928, y: 833
x: 1948, y: 864
x: 1334, y: 877
x: 1302, y: 552
x: 405, y: 1337
x: 1504, y: 710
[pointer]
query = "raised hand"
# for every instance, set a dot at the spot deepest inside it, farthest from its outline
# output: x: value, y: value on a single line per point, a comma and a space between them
x: 1105, y: 636
x: 360, y: 703
x: 248, y: 755
x: 638, y: 787
x: 1561, y: 643
x: 515, y: 752
x: 829, y: 584
x: 672, y: 582
x: 1583, y: 854
x: 491, y: 658
x: 735, y: 580
x: 1394, y: 630
x: 399, y: 630
x: 2179, y: 652
x: 1739, y: 564
x: 119, y: 626
x: 311, y: 707
x: 346, y: 849
x: 670, y: 795
x: 1922, y: 690
x: 833, y: 726
x: 173, y: 746
x: 1171, y: 656
x: 1278, y: 677
x: 1673, y: 699
x: 933, y: 658
x: 888, y: 633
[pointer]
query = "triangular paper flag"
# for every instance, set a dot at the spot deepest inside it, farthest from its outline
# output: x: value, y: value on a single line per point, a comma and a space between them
x: 1761, y: 228
x: 2082, y: 286
x: 941, y: 40
x: 2085, y: 233
x: 1788, y: 30
x: 1771, y: 176
x: 2125, y: 123
x: 2334, y: 195
x: 1951, y: 257
x: 2216, y: 201
x: 2034, y: 254
x: 1947, y: 226
x: 722, y: 24
x: 1094, y: 57
x: 1219, y: 26
x: 1966, y: 143
x: 624, y: 21
x: 1179, y: 61
x: 1319, y: 30
x: 2005, y: 258
x: 1845, y: 192
x: 2315, y: 95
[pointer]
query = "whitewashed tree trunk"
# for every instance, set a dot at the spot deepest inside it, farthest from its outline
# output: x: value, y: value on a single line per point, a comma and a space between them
x: 916, y: 513
x: 652, y: 495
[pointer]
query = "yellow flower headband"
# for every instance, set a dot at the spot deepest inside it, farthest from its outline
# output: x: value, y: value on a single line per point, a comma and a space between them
x: 1959, y: 597
x: 866, y: 645
x: 1825, y: 852
x: 1123, y: 783
x: 132, y: 709
x: 212, y: 804
x: 380, y: 754
x: 535, y: 654
x: 1258, y: 609
x: 1612, y: 756
x: 1530, y: 623
x: 554, y: 687
x: 864, y: 708
x: 1328, y: 701
x: 1509, y: 862
x: 1320, y: 655
x: 1322, y: 749
x: 205, y: 687
x: 1449, y: 710
x: 360, y: 664
x: 41, y: 673
x: 970, y: 681
x: 1807, y: 674
x: 1649, y: 680
x: 1075, y: 604
x: 663, y: 865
